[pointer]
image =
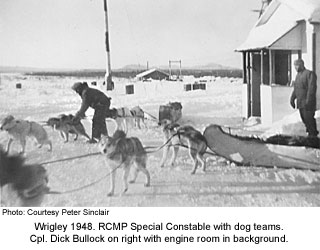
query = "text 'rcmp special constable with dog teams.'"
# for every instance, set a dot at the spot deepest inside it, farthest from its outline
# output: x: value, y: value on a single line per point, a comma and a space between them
x: 154, y: 226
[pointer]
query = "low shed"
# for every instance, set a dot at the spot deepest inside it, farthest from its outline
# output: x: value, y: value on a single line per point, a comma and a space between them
x: 154, y: 74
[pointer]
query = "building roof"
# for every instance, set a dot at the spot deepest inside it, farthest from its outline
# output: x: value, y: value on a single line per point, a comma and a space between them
x: 310, y: 9
x: 280, y: 19
x: 147, y: 72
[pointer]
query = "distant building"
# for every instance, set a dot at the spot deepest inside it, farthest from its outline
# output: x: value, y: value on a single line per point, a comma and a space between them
x: 287, y: 30
x: 154, y: 74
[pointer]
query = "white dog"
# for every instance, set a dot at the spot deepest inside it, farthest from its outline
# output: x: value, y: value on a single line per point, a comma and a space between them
x: 123, y: 151
x: 21, y: 129
x: 138, y: 116
x: 122, y: 116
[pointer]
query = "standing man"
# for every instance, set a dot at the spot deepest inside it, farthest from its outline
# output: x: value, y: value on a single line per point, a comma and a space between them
x: 305, y: 88
x: 97, y: 100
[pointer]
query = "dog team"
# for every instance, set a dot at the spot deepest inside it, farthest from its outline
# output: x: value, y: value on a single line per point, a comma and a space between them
x: 120, y: 151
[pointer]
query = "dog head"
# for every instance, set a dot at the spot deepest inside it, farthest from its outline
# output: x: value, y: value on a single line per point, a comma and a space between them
x: 175, y: 105
x: 104, y: 144
x: 6, y: 122
x: 53, y: 122
x: 29, y: 182
x: 108, y: 144
x: 168, y: 125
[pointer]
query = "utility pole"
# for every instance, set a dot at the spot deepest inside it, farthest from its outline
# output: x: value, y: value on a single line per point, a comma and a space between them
x: 170, y: 71
x: 108, y: 76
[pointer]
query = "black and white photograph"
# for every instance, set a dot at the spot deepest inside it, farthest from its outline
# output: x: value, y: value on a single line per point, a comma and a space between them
x: 160, y: 103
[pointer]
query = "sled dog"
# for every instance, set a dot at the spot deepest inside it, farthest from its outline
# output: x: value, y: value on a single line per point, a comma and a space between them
x: 122, y: 116
x: 65, y: 124
x: 185, y: 135
x: 21, y: 184
x: 21, y: 129
x: 122, y: 151
x: 138, y: 116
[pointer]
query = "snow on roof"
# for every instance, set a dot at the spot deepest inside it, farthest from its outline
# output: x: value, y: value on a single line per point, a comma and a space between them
x: 147, y: 72
x: 280, y: 18
x: 310, y: 9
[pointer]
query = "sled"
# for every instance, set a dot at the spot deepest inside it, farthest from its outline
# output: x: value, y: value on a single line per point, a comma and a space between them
x: 251, y: 151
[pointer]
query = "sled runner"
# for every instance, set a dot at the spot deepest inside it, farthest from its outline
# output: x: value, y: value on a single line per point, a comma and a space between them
x: 258, y: 152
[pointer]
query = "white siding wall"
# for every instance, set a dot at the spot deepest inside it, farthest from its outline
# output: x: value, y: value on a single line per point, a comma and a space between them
x: 317, y: 30
x: 266, y: 105
x: 306, y: 36
x: 281, y: 102
x: 244, y: 101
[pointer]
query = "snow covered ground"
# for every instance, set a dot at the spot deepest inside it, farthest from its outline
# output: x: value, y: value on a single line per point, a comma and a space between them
x: 223, y: 184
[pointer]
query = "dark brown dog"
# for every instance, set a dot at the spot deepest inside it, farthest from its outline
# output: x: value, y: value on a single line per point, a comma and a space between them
x: 21, y: 184
x: 176, y: 135
x: 66, y: 124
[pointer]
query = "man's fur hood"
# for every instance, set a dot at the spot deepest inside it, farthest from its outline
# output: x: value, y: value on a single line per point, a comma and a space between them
x: 79, y: 87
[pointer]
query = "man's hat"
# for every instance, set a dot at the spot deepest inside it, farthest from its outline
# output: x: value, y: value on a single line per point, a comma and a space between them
x: 76, y: 86
x: 299, y: 62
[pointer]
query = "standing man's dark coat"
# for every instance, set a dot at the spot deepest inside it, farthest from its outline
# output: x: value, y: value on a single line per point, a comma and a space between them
x: 97, y: 100
x: 305, y: 89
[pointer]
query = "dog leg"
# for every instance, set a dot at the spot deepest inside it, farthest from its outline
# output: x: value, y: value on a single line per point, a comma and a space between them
x: 125, y: 125
x: 50, y: 145
x: 112, y: 181
x: 67, y: 137
x: 23, y: 145
x: 141, y: 166
x: 76, y: 137
x: 144, y: 124
x: 195, y: 167
x: 193, y: 155
x: 138, y: 123
x: 62, y: 135
x: 164, y: 156
x: 135, y: 175
x: 83, y: 132
x: 119, y: 124
x: 87, y: 136
x: 202, y: 161
x: 175, y: 150
x: 146, y: 172
x: 135, y: 122
x: 125, y: 178
x: 9, y: 144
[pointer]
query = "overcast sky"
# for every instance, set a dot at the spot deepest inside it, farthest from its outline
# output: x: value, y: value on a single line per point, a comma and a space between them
x: 70, y: 33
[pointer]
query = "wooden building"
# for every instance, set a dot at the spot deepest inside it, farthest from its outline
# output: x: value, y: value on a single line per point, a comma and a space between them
x: 287, y: 30
x: 154, y: 74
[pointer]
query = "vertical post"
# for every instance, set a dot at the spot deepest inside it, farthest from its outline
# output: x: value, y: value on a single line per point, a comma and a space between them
x: 289, y: 68
x: 249, y: 85
x: 299, y: 54
x: 108, y: 77
x: 271, y: 79
x: 314, y: 51
x: 244, y: 67
x: 261, y: 68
